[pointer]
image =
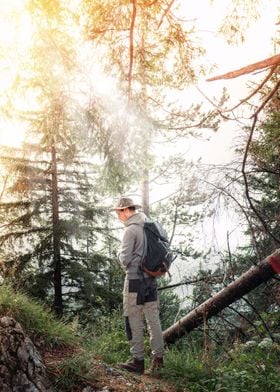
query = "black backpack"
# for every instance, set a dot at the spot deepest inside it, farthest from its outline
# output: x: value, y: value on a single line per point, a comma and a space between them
x: 157, y: 253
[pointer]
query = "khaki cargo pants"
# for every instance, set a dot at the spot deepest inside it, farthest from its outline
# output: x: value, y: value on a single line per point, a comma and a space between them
x: 140, y: 299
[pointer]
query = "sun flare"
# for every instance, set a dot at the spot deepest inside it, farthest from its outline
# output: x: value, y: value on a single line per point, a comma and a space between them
x: 15, y: 24
x: 15, y: 39
x: 11, y: 133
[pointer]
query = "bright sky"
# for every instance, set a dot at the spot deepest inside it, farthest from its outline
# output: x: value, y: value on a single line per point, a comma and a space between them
x: 216, y: 147
x: 15, y: 38
x: 16, y: 35
x: 257, y: 46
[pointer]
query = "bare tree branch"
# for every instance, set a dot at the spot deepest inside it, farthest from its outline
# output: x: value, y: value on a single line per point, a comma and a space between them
x: 267, y: 99
x: 218, y: 342
x: 259, y: 316
x: 221, y: 112
x: 254, y: 91
x: 232, y: 325
x: 195, y: 281
x: 223, y: 190
x: 245, y: 318
x: 269, y: 62
x: 165, y: 13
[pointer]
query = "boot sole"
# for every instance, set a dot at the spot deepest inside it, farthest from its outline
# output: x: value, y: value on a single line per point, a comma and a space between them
x: 131, y: 370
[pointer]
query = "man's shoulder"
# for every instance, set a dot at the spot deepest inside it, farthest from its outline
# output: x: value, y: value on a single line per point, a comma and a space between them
x: 136, y: 219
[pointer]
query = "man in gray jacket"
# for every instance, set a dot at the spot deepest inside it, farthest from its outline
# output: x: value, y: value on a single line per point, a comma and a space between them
x: 140, y: 291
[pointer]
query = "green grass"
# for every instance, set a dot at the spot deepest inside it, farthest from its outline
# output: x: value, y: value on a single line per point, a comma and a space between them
x: 190, y: 369
x: 251, y: 369
x: 108, y: 339
x: 38, y: 322
x: 185, y: 367
x: 75, y: 371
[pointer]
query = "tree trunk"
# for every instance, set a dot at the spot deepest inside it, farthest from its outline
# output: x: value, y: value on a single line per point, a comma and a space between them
x: 146, y: 193
x: 256, y: 275
x: 57, y: 304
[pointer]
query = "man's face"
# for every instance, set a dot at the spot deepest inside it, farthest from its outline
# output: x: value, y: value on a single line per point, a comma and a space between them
x: 122, y: 215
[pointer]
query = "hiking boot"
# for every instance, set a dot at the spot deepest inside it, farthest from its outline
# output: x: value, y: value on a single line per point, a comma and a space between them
x: 156, y: 365
x: 135, y: 366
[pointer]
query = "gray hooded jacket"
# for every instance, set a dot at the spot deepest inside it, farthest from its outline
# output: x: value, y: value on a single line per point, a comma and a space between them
x: 132, y: 248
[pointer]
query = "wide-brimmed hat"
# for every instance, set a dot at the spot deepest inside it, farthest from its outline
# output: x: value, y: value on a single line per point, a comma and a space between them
x: 126, y: 202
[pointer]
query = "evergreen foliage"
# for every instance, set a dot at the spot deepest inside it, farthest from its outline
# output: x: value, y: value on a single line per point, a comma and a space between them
x: 264, y: 180
x: 57, y: 238
x: 54, y: 238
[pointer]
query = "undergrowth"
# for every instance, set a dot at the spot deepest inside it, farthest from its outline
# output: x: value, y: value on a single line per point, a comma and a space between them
x: 191, y: 369
x: 251, y: 368
x: 75, y: 371
x: 37, y: 321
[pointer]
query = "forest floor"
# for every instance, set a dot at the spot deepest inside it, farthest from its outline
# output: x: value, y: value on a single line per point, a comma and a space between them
x: 104, y: 377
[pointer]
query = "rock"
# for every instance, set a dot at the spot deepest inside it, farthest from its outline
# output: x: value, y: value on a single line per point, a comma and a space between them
x: 276, y: 337
x: 266, y: 343
x: 250, y: 343
x: 21, y: 367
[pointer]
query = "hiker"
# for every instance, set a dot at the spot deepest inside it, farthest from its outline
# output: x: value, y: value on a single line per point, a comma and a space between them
x: 140, y: 291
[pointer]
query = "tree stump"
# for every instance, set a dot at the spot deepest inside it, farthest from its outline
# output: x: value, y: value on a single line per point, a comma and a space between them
x: 21, y: 367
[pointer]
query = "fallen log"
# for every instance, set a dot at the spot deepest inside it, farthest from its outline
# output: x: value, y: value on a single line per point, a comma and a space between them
x: 255, y: 276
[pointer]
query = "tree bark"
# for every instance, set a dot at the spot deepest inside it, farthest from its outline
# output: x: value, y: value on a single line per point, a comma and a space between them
x: 146, y: 193
x: 131, y: 46
x: 270, y: 62
x: 57, y: 304
x: 255, y: 276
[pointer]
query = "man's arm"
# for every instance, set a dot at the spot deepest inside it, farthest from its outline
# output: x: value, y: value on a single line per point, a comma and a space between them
x: 125, y: 255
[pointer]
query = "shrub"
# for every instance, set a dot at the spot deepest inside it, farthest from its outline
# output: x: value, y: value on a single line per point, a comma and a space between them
x: 251, y: 371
